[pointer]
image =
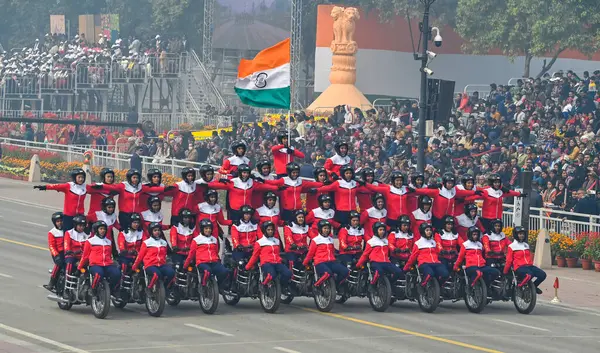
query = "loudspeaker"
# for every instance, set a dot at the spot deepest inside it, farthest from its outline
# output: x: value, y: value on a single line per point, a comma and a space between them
x: 440, y: 99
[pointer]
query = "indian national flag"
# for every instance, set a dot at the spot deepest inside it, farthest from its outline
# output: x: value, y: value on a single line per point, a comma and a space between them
x: 265, y: 80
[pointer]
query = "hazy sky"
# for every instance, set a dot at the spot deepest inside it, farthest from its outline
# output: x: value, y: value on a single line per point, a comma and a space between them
x: 243, y: 5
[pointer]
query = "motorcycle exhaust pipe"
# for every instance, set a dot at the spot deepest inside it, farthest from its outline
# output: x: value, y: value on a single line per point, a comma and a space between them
x: 57, y: 299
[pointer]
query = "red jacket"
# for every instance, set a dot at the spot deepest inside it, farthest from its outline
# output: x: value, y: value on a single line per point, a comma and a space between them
x: 146, y: 195
x: 152, y: 252
x: 258, y: 197
x: 369, y: 217
x: 448, y: 242
x: 396, y: 200
x: 74, y: 242
x: 473, y: 252
x: 364, y: 198
x: 204, y: 250
x: 240, y: 192
x: 463, y: 223
x: 130, y: 196
x: 312, y: 200
x: 425, y: 251
x: 295, y: 234
x: 96, y: 252
x: 313, y: 217
x: 377, y: 250
x: 344, y: 194
x: 181, y: 237
x: 350, y: 236
x: 185, y: 196
x: 417, y: 217
x: 492, y: 202
x: 290, y: 198
x: 493, y: 242
x: 518, y: 255
x: 333, y: 164
x: 444, y: 199
x: 131, y: 240
x: 110, y: 219
x: 412, y: 201
x: 96, y: 197
x: 230, y: 164
x: 460, y: 202
x: 244, y: 234
x: 267, y: 249
x: 75, y: 194
x: 56, y: 242
x: 401, y: 241
x: 321, y: 249
x: 214, y: 213
x: 281, y: 158
x: 153, y: 217
x: 264, y: 214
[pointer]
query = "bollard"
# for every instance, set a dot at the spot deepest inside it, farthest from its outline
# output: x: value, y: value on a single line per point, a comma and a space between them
x: 555, y: 300
x: 35, y: 171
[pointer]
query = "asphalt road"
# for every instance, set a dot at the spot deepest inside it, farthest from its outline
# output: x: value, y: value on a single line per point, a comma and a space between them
x: 31, y: 323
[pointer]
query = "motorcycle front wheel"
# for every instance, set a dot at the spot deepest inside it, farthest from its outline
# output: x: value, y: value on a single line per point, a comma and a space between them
x: 325, y: 295
x: 270, y: 296
x: 155, y: 299
x: 428, y: 296
x: 101, y: 301
x: 525, y: 298
x: 475, y: 296
x: 209, y: 296
x: 380, y: 294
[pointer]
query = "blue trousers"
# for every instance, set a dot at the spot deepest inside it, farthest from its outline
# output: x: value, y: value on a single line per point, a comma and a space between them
x: 347, y: 258
x: 215, y: 268
x: 112, y: 272
x: 165, y: 271
x: 489, y: 273
x: 239, y: 255
x: 434, y: 270
x: 333, y: 267
x: 178, y: 259
x: 387, y: 268
x: 274, y: 269
x: 536, y: 272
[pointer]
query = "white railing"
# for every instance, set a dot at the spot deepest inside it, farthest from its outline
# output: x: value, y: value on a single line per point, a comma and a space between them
x: 568, y: 223
x: 217, y: 100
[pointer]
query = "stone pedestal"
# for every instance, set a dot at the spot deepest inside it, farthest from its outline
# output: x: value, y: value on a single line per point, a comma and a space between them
x: 543, y: 256
x: 35, y: 170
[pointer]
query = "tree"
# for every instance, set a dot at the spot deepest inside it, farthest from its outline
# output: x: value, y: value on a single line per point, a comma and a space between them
x: 532, y: 28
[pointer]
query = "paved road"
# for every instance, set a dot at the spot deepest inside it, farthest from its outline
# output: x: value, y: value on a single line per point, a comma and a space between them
x: 30, y: 323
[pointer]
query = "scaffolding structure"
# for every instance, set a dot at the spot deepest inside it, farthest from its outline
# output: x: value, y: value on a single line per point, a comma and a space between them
x: 207, y: 32
x: 296, y: 51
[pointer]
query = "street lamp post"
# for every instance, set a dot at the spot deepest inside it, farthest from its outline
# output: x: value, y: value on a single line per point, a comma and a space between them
x: 426, y: 35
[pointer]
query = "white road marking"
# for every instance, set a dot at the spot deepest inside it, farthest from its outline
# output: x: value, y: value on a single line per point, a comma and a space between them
x: 522, y: 325
x: 26, y: 203
x: 5, y: 275
x: 207, y: 329
x: 281, y: 349
x: 35, y: 224
x: 64, y: 347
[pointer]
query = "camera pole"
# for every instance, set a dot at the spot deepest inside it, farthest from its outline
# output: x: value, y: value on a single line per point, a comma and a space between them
x: 426, y: 34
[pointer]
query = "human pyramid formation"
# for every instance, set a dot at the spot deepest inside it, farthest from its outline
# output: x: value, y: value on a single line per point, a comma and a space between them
x: 398, y: 224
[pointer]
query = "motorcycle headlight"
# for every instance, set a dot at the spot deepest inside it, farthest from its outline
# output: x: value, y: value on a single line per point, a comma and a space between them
x: 241, y: 263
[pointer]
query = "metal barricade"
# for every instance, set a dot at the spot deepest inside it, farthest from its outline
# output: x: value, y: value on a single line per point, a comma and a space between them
x: 93, y: 75
x: 22, y: 86
x: 59, y: 81
x: 128, y: 71
x: 165, y: 65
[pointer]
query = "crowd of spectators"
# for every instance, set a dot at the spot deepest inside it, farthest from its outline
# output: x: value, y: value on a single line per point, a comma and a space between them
x: 56, y: 64
x: 549, y: 126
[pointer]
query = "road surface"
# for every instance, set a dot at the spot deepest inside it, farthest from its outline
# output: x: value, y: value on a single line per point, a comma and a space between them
x: 31, y: 323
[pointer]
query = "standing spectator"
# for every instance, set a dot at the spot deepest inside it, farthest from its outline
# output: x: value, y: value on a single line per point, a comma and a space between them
x: 101, y: 141
x: 136, y: 159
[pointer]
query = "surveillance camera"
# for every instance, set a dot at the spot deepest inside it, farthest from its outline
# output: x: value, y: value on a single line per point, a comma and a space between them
x: 428, y: 71
x: 431, y: 55
x: 437, y: 40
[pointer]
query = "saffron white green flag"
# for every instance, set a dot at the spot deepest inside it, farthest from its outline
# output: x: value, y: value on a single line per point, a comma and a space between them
x: 265, y: 80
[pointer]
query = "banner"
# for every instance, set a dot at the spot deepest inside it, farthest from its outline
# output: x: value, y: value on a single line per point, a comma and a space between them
x: 109, y: 26
x: 57, y: 24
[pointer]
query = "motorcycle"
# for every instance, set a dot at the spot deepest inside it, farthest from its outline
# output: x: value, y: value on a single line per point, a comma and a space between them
x: 460, y: 287
x: 306, y: 283
x: 251, y: 284
x: 195, y: 287
x: 413, y: 289
x: 508, y: 287
x: 363, y: 282
x: 77, y: 289
x: 133, y: 289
